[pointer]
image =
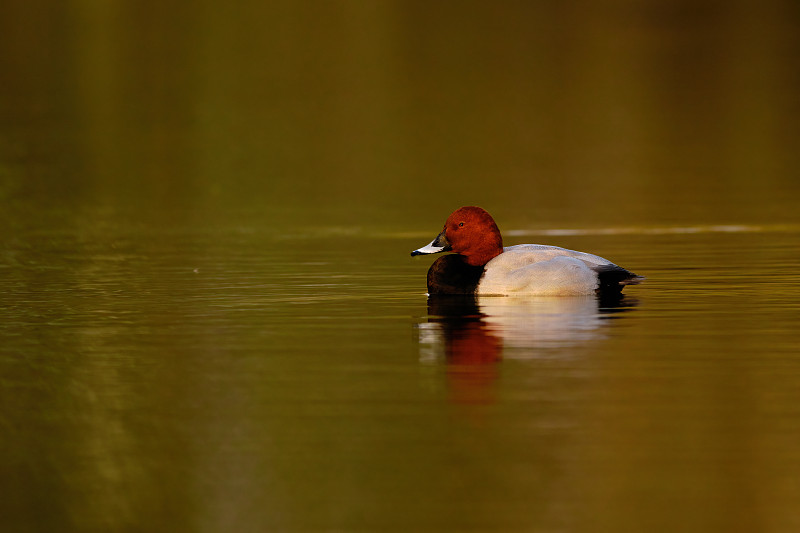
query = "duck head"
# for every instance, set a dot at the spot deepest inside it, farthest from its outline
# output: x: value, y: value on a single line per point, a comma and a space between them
x: 470, y: 232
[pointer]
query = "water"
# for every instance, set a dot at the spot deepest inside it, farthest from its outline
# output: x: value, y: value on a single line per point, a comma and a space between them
x: 253, y: 388
x: 210, y: 320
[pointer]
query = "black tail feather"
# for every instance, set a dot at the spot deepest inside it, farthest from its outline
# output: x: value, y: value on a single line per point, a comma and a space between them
x: 614, y: 278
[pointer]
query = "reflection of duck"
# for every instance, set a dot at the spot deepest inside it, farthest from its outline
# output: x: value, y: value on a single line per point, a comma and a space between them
x: 475, y: 329
x: 460, y: 325
x: 457, y: 332
x: 480, y: 264
x: 543, y: 322
x: 469, y: 333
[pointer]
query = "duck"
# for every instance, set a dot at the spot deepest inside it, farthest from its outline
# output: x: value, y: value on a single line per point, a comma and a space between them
x: 480, y: 265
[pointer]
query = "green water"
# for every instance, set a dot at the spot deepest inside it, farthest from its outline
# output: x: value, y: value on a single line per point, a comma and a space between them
x: 210, y: 320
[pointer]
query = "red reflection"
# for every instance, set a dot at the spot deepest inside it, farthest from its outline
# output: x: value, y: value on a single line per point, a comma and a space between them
x: 471, y: 348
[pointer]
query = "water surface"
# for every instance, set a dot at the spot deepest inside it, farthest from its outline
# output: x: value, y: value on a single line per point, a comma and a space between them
x: 210, y: 320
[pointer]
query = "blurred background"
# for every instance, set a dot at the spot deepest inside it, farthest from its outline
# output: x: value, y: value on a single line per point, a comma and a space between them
x: 349, y: 112
x: 210, y: 321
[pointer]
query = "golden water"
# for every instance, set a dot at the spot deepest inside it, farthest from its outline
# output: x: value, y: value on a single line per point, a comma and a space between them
x: 210, y: 321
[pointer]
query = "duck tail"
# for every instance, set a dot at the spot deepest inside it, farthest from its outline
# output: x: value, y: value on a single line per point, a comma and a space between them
x: 633, y: 280
x: 613, y: 278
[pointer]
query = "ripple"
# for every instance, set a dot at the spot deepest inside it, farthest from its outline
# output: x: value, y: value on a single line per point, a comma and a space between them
x: 636, y: 230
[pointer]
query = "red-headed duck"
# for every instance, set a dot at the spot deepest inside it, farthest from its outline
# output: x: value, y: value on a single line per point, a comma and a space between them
x: 480, y: 264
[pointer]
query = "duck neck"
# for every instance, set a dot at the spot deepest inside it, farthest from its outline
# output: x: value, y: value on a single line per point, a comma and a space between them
x: 482, y: 256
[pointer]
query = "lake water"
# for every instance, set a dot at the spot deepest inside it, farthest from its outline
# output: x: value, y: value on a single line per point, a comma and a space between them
x: 211, y: 322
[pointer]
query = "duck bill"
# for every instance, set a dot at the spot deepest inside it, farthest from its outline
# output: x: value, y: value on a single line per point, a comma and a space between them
x: 437, y: 245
